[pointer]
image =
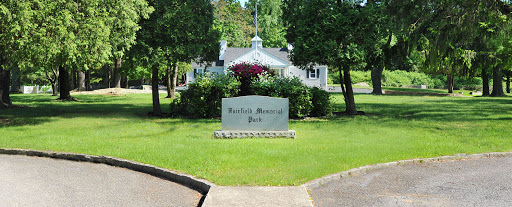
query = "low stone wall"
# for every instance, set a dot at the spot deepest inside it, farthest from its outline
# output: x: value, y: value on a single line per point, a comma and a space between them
x: 254, y: 134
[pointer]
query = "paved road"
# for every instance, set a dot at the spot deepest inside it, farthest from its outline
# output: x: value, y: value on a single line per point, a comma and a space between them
x: 482, y: 182
x: 35, y: 181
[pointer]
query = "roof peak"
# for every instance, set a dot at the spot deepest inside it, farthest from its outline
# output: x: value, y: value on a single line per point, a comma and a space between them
x: 256, y: 38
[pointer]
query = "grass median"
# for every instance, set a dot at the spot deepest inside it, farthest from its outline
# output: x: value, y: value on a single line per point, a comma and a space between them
x: 396, y: 127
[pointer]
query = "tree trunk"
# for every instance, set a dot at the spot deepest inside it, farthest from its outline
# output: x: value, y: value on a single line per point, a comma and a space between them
x: 53, y: 77
x: 174, y: 80
x: 127, y: 83
x: 350, y: 105
x: 5, y: 82
x: 508, y: 83
x: 485, y: 83
x: 15, y: 79
x: 377, y: 71
x: 55, y: 88
x: 157, y: 111
x: 64, y: 84
x: 497, y: 83
x: 88, y: 80
x: 117, y: 75
x: 341, y: 83
x: 168, y: 76
x: 73, y: 80
x: 377, y: 80
x: 81, y: 81
x: 107, y: 75
x: 450, y: 80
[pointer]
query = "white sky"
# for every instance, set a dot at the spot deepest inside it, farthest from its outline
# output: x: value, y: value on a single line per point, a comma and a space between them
x: 242, y: 2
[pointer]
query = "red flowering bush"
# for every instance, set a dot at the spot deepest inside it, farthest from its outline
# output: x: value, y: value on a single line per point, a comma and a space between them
x: 247, y: 73
x: 246, y: 70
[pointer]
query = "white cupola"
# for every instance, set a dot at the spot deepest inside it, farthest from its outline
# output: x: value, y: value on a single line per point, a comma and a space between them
x: 257, y: 42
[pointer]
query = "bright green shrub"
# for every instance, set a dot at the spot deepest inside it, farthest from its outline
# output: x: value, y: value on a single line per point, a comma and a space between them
x: 286, y: 87
x: 356, y: 76
x: 474, y: 83
x: 203, y: 98
x: 397, y: 78
x: 360, y: 76
x: 321, y: 102
x: 439, y: 81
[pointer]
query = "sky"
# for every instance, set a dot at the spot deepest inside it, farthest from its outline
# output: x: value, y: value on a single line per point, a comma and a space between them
x: 242, y: 2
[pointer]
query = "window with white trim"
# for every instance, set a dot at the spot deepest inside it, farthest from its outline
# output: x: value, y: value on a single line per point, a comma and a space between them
x: 198, y: 71
x: 279, y: 72
x: 313, y: 74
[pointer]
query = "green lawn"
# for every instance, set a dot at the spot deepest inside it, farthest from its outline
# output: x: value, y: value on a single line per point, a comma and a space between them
x: 417, y: 90
x: 395, y: 128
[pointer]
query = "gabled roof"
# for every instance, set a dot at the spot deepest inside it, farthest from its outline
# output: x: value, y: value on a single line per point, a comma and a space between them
x: 281, y: 53
x: 232, y: 53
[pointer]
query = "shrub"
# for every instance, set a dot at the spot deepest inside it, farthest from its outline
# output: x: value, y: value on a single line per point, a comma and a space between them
x: 286, y: 87
x: 439, y: 81
x: 400, y: 78
x: 321, y: 102
x: 396, y: 78
x: 247, y: 70
x: 247, y: 73
x: 203, y: 98
x: 474, y: 83
x: 360, y: 76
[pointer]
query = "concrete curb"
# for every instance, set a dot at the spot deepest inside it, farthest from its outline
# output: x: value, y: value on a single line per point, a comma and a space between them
x: 356, y: 171
x: 202, y: 186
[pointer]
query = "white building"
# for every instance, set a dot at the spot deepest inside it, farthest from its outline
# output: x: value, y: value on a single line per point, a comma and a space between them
x: 276, y: 58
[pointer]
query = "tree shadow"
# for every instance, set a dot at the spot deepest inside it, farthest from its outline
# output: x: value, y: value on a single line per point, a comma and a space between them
x: 446, y: 109
x: 40, y: 109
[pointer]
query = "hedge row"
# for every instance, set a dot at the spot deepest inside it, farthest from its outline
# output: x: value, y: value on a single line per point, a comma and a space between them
x: 203, y: 98
x: 399, y: 78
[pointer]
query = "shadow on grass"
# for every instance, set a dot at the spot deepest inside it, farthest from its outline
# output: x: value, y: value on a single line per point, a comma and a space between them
x: 447, y: 109
x: 415, y: 90
x: 41, y: 108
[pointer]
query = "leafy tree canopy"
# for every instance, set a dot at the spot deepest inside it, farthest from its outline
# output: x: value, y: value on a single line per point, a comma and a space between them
x: 270, y: 22
x: 234, y: 22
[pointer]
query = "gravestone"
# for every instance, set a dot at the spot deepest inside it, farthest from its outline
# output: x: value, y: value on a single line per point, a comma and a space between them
x: 254, y: 116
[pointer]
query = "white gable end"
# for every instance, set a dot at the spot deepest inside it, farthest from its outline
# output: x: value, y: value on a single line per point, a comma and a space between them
x: 259, y: 56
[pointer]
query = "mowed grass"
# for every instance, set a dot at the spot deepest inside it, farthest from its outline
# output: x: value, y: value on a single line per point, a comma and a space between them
x: 395, y: 128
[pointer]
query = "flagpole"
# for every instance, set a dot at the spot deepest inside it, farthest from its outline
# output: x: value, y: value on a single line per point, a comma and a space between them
x: 256, y: 24
x: 256, y: 18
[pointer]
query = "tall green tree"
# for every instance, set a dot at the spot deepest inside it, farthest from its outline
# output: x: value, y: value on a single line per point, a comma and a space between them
x: 378, y: 42
x: 70, y: 35
x: 234, y: 23
x: 329, y: 32
x: 461, y: 36
x: 123, y: 21
x: 16, y: 22
x: 67, y: 34
x: 270, y: 22
x: 178, y: 30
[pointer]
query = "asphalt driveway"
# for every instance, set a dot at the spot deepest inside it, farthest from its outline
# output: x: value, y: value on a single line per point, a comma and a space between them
x: 36, y: 181
x: 479, y: 182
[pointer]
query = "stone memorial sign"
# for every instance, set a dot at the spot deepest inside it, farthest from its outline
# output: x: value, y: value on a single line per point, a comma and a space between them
x: 254, y: 116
